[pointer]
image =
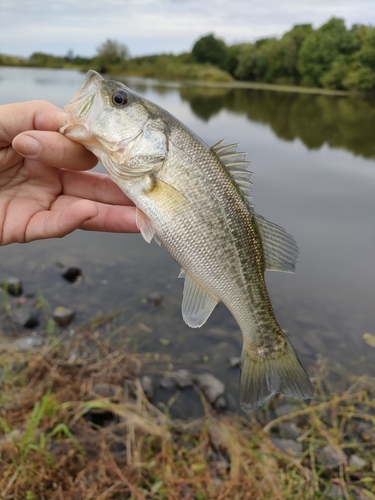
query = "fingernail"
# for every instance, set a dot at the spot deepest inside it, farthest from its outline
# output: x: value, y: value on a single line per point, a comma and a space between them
x: 26, y: 145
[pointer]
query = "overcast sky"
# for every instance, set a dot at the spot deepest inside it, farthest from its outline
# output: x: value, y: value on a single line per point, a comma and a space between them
x: 155, y: 26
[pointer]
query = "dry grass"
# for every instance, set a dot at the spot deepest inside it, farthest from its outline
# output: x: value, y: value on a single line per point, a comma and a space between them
x: 75, y: 425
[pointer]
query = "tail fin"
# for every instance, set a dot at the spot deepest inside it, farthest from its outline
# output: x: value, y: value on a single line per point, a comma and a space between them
x: 262, y: 378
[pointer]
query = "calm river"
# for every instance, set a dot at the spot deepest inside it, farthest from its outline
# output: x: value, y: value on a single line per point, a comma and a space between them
x: 313, y: 159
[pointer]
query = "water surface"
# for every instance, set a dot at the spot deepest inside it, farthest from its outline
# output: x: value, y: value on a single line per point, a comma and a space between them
x: 313, y: 159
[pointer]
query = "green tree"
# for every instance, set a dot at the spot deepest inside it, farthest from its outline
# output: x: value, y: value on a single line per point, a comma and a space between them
x: 210, y: 49
x: 322, y: 47
x: 109, y: 54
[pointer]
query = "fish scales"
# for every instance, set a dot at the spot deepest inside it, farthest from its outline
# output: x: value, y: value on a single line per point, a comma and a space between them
x: 189, y: 200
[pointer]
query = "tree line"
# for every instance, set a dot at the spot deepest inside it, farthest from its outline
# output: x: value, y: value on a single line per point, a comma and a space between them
x: 330, y: 56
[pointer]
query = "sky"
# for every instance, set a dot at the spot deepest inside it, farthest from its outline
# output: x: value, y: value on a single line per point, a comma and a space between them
x: 157, y: 26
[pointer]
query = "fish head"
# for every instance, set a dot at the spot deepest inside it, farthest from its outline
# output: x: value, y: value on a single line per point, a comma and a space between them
x: 117, y: 125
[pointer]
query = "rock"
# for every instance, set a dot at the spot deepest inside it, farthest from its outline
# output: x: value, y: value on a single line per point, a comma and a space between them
x: 13, y: 286
x: 72, y: 274
x: 148, y: 387
x: 234, y: 362
x: 25, y: 343
x: 26, y: 316
x: 357, y: 462
x: 183, y: 378
x: 107, y: 390
x: 211, y: 387
x: 331, y: 457
x: 284, y: 408
x: 155, y: 299
x: 365, y: 431
x: 221, y: 403
x: 290, y: 430
x: 336, y: 492
x: 63, y: 315
x: 18, y: 366
x: 167, y: 382
x: 288, y: 446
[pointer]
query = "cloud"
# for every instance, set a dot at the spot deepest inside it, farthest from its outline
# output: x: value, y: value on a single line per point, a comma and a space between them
x: 152, y: 26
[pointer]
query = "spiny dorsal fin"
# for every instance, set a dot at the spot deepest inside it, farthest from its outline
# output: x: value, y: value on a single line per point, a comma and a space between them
x: 237, y: 167
x: 279, y: 247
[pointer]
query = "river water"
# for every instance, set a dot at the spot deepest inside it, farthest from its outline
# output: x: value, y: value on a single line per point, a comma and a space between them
x: 313, y: 159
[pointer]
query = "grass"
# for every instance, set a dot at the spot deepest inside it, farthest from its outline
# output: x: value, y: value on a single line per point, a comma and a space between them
x: 75, y: 425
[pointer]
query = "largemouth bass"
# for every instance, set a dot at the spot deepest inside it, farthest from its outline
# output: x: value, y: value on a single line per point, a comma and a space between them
x: 195, y: 200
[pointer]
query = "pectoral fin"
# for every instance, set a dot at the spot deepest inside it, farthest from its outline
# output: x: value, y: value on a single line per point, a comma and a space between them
x: 145, y: 226
x: 197, y: 304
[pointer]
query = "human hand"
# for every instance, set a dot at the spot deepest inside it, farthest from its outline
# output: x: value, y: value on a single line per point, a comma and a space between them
x: 44, y: 191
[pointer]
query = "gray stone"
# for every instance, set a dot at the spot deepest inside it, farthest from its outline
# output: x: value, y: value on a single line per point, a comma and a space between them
x: 13, y: 286
x: 221, y: 403
x: 72, y: 274
x: 357, y: 462
x: 331, y: 457
x: 234, y: 362
x: 366, y: 431
x: 183, y: 378
x: 26, y: 316
x: 167, y: 382
x: 288, y: 446
x: 148, y: 387
x: 155, y: 299
x: 290, y: 430
x: 336, y: 492
x: 26, y: 343
x: 107, y: 390
x: 211, y: 387
x: 63, y: 315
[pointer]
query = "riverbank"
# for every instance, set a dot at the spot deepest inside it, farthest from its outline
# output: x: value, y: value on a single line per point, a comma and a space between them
x: 75, y: 423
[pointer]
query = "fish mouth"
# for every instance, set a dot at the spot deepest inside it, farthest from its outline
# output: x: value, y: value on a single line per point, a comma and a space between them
x: 82, y: 100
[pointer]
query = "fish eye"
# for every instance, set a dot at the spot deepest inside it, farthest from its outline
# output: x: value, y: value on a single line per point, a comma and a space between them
x: 120, y: 98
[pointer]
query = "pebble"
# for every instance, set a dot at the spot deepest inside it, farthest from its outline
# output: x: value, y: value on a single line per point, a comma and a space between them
x: 288, y: 446
x: 357, y: 462
x: 234, y: 362
x: 27, y: 317
x: 167, y: 382
x: 366, y: 431
x: 63, y: 315
x: 155, y: 299
x: 107, y: 390
x: 289, y: 430
x: 13, y: 286
x: 26, y: 343
x: 331, y: 457
x: 183, y: 378
x: 211, y: 387
x: 72, y: 274
x: 148, y: 387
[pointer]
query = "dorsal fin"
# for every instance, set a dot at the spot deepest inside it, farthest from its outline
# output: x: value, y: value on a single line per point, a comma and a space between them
x: 280, y: 248
x: 237, y: 167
